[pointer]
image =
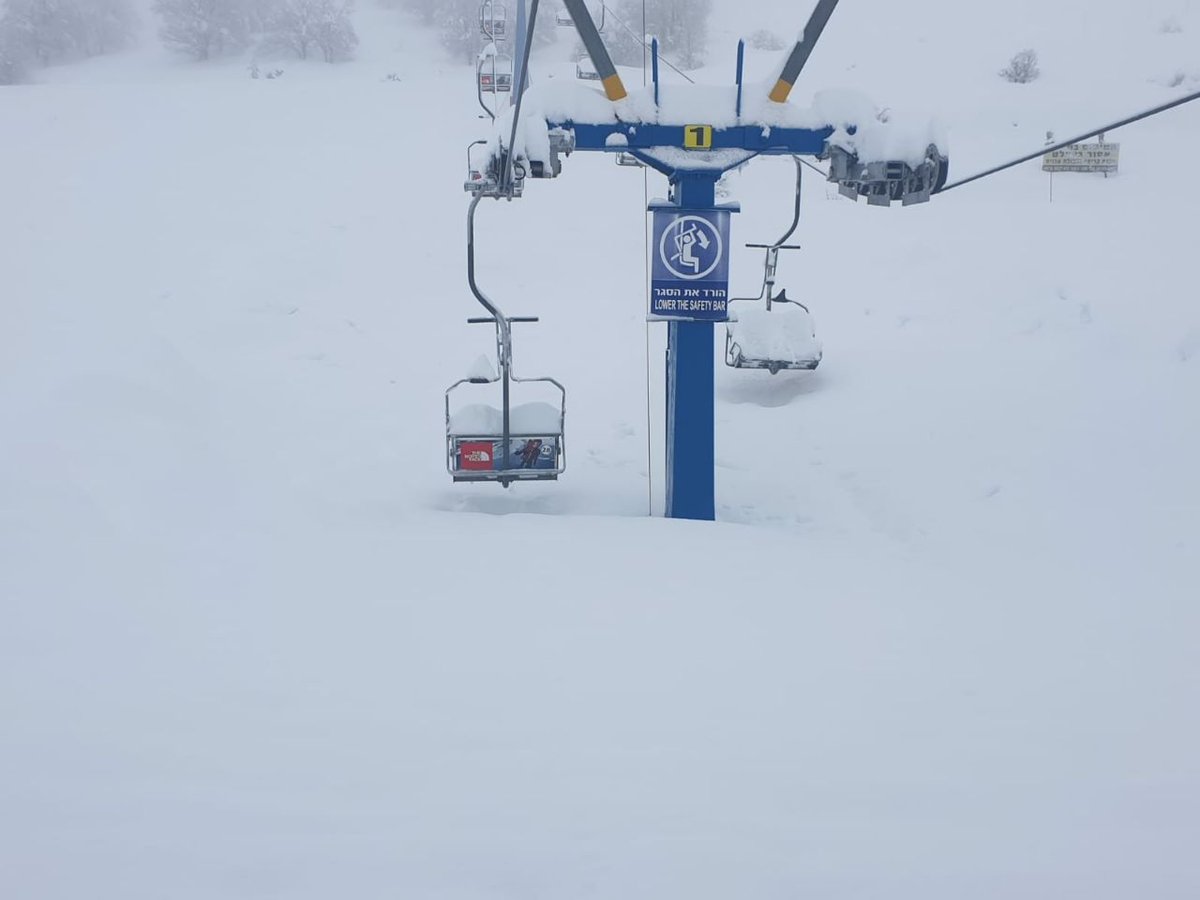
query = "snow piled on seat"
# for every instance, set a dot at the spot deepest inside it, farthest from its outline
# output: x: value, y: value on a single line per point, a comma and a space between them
x: 785, y: 334
x: 524, y: 418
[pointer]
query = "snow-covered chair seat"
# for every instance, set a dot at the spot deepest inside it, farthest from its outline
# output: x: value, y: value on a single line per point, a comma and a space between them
x: 781, y: 338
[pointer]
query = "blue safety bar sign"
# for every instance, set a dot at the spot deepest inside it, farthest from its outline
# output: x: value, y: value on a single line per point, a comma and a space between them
x: 690, y: 271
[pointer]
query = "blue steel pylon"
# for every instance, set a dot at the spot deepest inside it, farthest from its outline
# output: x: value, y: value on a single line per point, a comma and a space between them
x: 691, y: 387
x: 710, y: 152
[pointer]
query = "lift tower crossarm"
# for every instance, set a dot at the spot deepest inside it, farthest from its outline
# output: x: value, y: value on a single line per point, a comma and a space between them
x: 693, y: 155
x: 614, y: 89
x: 640, y: 138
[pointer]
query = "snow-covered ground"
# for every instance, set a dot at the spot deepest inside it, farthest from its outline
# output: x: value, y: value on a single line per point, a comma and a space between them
x: 253, y: 643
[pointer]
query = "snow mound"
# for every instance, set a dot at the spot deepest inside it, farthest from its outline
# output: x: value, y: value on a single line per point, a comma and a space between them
x: 785, y: 334
x: 482, y: 369
x: 524, y: 418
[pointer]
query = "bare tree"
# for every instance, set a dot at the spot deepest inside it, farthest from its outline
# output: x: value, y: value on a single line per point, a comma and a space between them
x: 50, y: 31
x: 1022, y: 68
x: 546, y: 31
x: 106, y: 26
x: 426, y: 10
x: 334, y: 32
x: 260, y: 15
x: 681, y: 27
x: 44, y: 30
x: 765, y: 39
x: 12, y: 56
x: 202, y: 28
x: 294, y: 26
x: 458, y: 22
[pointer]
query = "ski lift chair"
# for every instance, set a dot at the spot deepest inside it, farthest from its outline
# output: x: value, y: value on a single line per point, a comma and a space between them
x: 493, y: 19
x: 483, y: 177
x: 495, y: 74
x: 522, y: 442
x: 774, y: 336
x: 563, y: 19
x: 512, y: 442
x: 771, y: 331
x: 586, y: 70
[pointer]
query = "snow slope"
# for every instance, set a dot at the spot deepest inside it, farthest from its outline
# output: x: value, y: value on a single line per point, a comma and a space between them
x: 255, y: 644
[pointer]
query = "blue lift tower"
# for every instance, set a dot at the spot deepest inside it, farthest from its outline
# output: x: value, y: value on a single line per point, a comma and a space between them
x: 690, y: 245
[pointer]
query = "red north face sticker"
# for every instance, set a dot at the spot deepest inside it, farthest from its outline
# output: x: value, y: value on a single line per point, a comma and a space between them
x: 475, y: 456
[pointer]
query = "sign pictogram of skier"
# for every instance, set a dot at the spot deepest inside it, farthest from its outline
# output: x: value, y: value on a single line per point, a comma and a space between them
x: 691, y: 247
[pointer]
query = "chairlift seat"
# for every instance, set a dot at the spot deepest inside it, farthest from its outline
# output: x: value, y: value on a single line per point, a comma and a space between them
x: 493, y: 18
x: 495, y: 76
x: 512, y: 442
x: 563, y: 19
x: 475, y: 437
x: 776, y: 339
x: 586, y: 70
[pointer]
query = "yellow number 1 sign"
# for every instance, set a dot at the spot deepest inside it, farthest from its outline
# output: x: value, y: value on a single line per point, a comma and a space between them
x: 697, y: 137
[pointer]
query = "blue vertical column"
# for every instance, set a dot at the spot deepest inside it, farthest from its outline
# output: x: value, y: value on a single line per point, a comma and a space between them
x: 691, y: 395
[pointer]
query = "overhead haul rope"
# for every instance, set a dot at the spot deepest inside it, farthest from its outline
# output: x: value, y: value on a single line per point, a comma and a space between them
x: 815, y: 168
x: 641, y: 39
x: 1075, y: 140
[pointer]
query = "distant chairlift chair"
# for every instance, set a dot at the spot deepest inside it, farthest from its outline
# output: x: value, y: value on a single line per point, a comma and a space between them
x: 495, y: 73
x: 563, y: 19
x: 585, y: 69
x: 511, y: 443
x: 772, y: 332
x: 493, y: 20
